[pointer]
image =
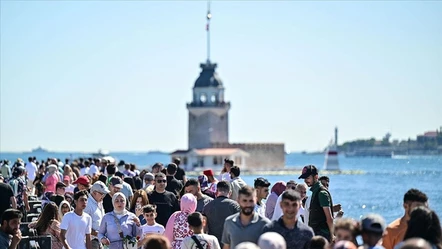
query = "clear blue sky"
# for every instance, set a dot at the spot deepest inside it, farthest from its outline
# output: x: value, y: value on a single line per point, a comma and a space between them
x: 84, y: 75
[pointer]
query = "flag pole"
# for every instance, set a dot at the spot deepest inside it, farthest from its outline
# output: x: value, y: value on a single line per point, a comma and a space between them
x: 209, y: 16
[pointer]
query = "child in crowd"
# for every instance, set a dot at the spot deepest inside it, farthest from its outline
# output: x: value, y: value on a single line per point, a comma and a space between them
x: 151, y: 226
x: 199, y: 239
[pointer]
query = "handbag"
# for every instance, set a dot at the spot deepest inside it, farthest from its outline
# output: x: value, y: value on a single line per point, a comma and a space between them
x: 197, y: 242
x: 120, y: 232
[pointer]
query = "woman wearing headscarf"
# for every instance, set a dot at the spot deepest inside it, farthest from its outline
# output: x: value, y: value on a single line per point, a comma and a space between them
x: 276, y: 191
x: 51, y: 179
x: 63, y: 208
x: 118, y: 224
x: 177, y: 227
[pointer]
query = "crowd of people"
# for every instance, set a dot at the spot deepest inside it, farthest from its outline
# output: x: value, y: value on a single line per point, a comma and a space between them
x: 95, y: 203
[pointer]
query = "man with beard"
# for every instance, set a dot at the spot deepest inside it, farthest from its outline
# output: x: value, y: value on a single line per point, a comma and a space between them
x: 297, y: 235
x: 245, y: 226
x: 320, y: 214
x: 10, y: 221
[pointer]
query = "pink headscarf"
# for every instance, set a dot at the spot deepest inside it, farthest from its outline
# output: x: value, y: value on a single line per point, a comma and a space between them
x: 278, y: 188
x: 188, y: 203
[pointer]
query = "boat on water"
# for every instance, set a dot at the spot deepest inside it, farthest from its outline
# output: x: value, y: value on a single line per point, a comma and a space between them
x: 39, y: 150
x: 101, y: 154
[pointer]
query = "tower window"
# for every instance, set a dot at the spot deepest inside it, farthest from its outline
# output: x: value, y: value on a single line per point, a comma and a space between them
x: 213, y: 98
x: 203, y: 98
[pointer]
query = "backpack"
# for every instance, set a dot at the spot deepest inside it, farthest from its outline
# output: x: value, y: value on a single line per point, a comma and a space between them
x: 14, y: 185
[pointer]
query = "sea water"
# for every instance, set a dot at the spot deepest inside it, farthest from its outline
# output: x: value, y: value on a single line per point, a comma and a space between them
x: 378, y: 187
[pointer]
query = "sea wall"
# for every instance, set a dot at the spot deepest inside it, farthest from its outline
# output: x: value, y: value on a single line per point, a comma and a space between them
x: 262, y: 155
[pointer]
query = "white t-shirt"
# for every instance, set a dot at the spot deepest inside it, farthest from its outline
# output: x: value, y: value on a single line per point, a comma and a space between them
x: 76, y: 229
x: 84, y: 171
x: 93, y: 170
x: 277, y: 213
x: 155, y: 229
x: 31, y: 168
x: 207, y: 242
x: 70, y: 188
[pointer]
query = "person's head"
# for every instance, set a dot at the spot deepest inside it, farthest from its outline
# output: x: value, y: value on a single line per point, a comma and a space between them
x: 139, y: 199
x: 302, y: 190
x: 346, y: 229
x: 415, y: 243
x: 177, y: 161
x: 223, y: 189
x: 271, y: 240
x: 150, y: 213
x: 115, y: 184
x: 210, y: 175
x: 228, y: 164
x: 149, y: 179
x: 262, y: 188
x: 195, y: 220
x: 325, y: 181
x: 30, y: 159
x: 372, y: 228
x: 157, y: 167
x: 11, y: 221
x: 160, y: 182
x: 171, y: 169
x: 291, y: 184
x: 278, y: 188
x: 57, y: 199
x: 119, y: 202
x: 235, y: 172
x: 155, y: 241
x: 63, y: 208
x: 60, y: 188
x: 50, y: 212
x: 345, y: 244
x: 414, y: 198
x: 310, y: 175
x: 188, y: 203
x: 127, y: 166
x: 290, y: 204
x: 246, y: 200
x: 67, y: 170
x: 424, y: 223
x: 99, y: 191
x: 80, y: 200
x: 192, y: 186
x: 83, y: 183
x: 319, y: 242
x: 111, y: 169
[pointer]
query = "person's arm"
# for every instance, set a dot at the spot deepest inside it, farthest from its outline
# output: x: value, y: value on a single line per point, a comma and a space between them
x: 15, y: 240
x: 88, y: 233
x: 225, y: 238
x: 325, y: 203
x: 13, y: 202
x: 329, y: 217
x: 103, y: 231
x: 88, y: 241
x: 387, y: 242
x: 25, y: 199
x: 169, y: 227
x: 63, y: 239
x: 184, y: 179
x: 226, y: 246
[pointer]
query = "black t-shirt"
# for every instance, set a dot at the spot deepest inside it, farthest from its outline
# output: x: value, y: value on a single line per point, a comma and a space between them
x: 173, y: 185
x: 180, y: 173
x: 166, y: 204
x: 6, y: 193
x: 107, y: 204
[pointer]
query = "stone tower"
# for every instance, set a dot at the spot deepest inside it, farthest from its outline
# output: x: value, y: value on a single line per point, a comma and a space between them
x: 208, y: 111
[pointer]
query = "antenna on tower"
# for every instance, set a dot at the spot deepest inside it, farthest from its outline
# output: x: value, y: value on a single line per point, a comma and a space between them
x: 209, y: 16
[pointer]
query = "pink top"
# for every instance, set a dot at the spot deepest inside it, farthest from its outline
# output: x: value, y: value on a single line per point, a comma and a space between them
x: 51, y: 181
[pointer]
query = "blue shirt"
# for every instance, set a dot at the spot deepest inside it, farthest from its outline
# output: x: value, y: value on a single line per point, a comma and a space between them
x: 109, y: 228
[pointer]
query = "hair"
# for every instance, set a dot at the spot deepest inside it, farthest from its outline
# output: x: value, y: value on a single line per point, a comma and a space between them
x: 413, y: 195
x: 325, y: 178
x: 424, y: 223
x: 139, y: 193
x: 228, y: 161
x: 301, y: 185
x: 235, y: 171
x: 318, y: 242
x: 102, y: 178
x: 155, y: 241
x: 57, y: 199
x: 149, y: 208
x: 111, y: 169
x: 195, y: 219
x: 79, y: 194
x: 133, y: 167
x: 246, y: 190
x: 127, y: 166
x: 261, y: 182
x: 177, y: 161
x: 157, y: 165
x: 291, y: 195
x: 223, y: 186
x: 119, y: 174
x: 171, y: 168
x: 192, y: 182
x: 415, y: 243
x: 350, y: 225
x: 130, y: 180
x: 160, y: 175
x: 67, y: 170
x: 11, y: 214
x: 49, y: 213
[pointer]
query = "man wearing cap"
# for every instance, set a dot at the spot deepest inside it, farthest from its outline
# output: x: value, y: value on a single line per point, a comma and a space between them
x: 321, y: 203
x: 262, y: 191
x: 115, y: 185
x: 372, y: 228
x: 95, y: 209
x: 149, y: 182
x: 83, y: 183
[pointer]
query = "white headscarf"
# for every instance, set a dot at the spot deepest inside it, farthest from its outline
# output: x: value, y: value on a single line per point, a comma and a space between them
x: 113, y: 202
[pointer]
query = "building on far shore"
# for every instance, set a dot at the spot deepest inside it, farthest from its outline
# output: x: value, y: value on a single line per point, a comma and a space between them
x: 208, y: 134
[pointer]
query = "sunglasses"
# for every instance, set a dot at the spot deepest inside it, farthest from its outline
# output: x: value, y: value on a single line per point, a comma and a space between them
x: 161, y: 181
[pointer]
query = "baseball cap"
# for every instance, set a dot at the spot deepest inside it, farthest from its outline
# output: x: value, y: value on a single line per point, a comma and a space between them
x: 149, y: 176
x: 116, y: 182
x: 208, y: 172
x: 82, y: 180
x: 203, y: 182
x: 261, y: 182
x: 373, y: 223
x: 308, y: 171
x: 66, y: 178
x: 100, y: 187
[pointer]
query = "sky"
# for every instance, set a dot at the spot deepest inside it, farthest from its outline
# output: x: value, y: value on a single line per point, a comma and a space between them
x: 116, y: 75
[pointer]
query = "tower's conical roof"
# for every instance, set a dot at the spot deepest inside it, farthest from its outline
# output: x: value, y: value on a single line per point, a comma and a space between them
x: 208, y: 77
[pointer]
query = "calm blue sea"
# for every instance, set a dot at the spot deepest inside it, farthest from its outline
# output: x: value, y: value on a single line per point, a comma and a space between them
x: 379, y: 188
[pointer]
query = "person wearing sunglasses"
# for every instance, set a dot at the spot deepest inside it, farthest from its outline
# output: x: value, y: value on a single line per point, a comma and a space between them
x: 165, y: 201
x: 95, y: 209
